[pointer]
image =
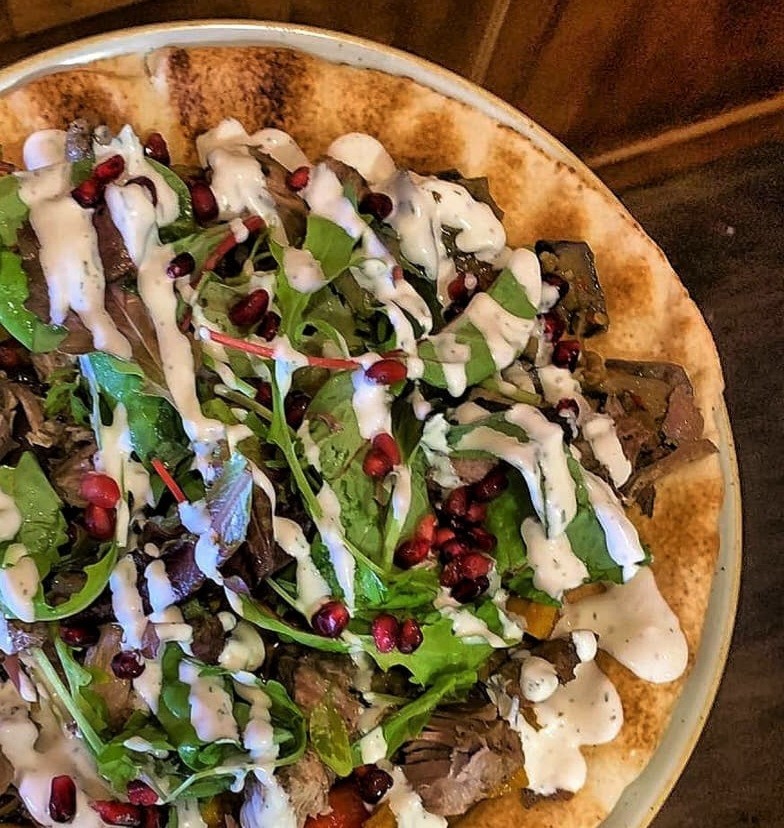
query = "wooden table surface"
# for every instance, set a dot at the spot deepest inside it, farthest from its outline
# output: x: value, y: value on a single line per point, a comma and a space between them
x: 722, y: 227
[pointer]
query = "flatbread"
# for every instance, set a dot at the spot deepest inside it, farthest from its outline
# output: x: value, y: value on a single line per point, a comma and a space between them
x: 182, y: 93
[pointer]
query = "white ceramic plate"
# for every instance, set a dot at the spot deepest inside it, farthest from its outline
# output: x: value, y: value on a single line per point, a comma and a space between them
x: 641, y: 800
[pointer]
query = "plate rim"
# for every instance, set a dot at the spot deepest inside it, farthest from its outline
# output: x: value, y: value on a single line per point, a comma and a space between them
x: 644, y: 797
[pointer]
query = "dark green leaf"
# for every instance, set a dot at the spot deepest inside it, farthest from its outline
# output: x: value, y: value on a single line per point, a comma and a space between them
x: 184, y: 224
x: 13, y: 211
x: 21, y: 323
x: 329, y: 737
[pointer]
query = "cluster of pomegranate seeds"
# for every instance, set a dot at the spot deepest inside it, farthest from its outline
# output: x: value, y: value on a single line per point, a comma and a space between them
x: 99, y: 522
x: 62, y: 799
x: 140, y: 793
x: 298, y: 179
x: 127, y: 664
x: 470, y: 565
x: 205, y: 207
x: 372, y: 783
x: 118, y: 813
x: 183, y: 264
x: 383, y: 455
x: 90, y: 192
x: 385, y: 629
x: 100, y: 489
x: 250, y: 309
x: 155, y: 147
x: 490, y: 486
x: 386, y: 371
x: 330, y: 619
x: 79, y: 635
x: 378, y: 205
x: 410, y: 637
x: 566, y: 353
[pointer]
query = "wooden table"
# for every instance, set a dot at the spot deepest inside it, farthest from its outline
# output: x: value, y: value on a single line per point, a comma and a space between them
x: 722, y: 227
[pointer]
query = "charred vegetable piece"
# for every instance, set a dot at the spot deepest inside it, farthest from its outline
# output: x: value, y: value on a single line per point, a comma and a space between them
x: 583, y: 307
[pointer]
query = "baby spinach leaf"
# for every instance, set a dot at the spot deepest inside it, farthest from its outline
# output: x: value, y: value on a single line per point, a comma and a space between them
x: 184, y: 224
x: 13, y: 211
x: 19, y: 321
x: 43, y: 529
x: 329, y: 737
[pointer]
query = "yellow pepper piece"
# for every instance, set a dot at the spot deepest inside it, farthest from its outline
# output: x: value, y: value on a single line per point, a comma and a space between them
x: 382, y: 817
x: 539, y: 618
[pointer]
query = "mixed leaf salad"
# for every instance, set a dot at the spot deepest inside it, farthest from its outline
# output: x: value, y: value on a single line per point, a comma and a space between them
x: 300, y: 461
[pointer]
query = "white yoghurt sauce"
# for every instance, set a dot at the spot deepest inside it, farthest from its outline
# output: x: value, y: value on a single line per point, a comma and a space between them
x: 127, y: 602
x: 211, y: 705
x: 556, y: 567
x: 10, y: 517
x: 331, y: 532
x: 407, y: 806
x: 635, y: 625
x: 19, y: 582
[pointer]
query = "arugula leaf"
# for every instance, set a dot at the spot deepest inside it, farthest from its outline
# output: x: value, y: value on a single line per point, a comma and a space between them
x: 154, y: 424
x: 329, y: 737
x: 43, y: 530
x: 79, y: 679
x: 13, y: 211
x: 418, y: 508
x: 95, y: 583
x: 407, y: 722
x: 441, y: 653
x: 19, y: 321
x: 184, y: 224
x: 63, y: 397
x: 412, y: 590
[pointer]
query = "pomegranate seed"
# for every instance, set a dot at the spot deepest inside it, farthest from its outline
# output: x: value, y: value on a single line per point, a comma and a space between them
x: 298, y: 179
x: 443, y: 535
x: 471, y: 565
x: 330, y: 619
x: 568, y: 406
x: 294, y: 408
x: 155, y: 147
x: 385, y: 628
x: 397, y: 273
x: 183, y: 264
x: 386, y: 444
x: 386, y: 372
x: 456, y: 290
x: 62, y: 799
x: 118, y: 813
x: 410, y: 553
x: 88, y: 193
x: 454, y: 549
x: 469, y: 589
x: 100, y: 490
x: 376, y: 464
x: 264, y: 394
x: 426, y: 529
x: 144, y: 181
x: 79, y: 635
x: 490, y: 486
x: 99, y: 522
x: 372, y: 783
x: 127, y: 664
x: 109, y: 169
x: 409, y: 637
x: 456, y: 504
x: 378, y: 205
x: 205, y: 207
x: 250, y: 309
x: 140, y: 793
x: 566, y: 354
x: 482, y: 539
x: 553, y: 326
x: 557, y: 282
x: 476, y: 513
x: 268, y: 329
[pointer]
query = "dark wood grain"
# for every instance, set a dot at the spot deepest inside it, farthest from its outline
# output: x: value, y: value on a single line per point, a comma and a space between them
x: 722, y: 227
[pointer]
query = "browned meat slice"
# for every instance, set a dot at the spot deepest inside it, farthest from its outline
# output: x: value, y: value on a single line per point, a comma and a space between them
x: 312, y: 676
x: 462, y: 756
x: 208, y: 638
x: 583, y: 308
x: 307, y: 783
x: 291, y: 208
x: 117, y: 263
x: 562, y: 654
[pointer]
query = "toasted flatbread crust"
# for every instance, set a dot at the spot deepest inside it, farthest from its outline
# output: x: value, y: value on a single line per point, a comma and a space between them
x: 181, y: 93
